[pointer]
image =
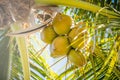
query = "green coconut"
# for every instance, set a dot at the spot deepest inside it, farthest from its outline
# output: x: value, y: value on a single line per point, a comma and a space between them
x: 59, y: 47
x: 48, y: 34
x: 77, y: 58
x: 62, y: 24
x: 77, y: 37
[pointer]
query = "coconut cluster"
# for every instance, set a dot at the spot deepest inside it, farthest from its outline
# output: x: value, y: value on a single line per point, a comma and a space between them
x: 64, y: 40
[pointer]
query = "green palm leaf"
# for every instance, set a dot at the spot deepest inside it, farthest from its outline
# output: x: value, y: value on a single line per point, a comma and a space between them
x: 78, y: 4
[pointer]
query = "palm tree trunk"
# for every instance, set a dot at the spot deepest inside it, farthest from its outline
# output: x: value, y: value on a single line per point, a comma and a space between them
x: 4, y: 56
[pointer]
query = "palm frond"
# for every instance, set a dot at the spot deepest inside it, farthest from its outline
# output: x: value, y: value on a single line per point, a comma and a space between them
x: 78, y: 4
x: 23, y: 52
x: 39, y: 65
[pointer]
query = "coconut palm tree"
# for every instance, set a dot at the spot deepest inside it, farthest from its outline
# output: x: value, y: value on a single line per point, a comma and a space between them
x: 27, y: 57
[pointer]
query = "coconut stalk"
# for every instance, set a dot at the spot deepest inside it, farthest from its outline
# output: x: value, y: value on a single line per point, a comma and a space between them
x: 79, y: 4
x: 21, y: 42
